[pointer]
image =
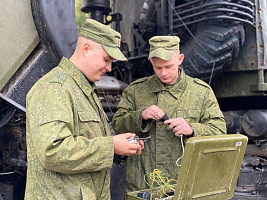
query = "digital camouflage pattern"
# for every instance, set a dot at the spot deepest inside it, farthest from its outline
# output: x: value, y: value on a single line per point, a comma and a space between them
x: 190, y: 98
x: 70, y: 152
x: 109, y: 39
x: 163, y: 46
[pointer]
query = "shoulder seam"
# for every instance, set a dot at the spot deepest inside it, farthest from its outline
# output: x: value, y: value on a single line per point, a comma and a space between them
x: 59, y: 79
x: 141, y: 80
x: 200, y: 82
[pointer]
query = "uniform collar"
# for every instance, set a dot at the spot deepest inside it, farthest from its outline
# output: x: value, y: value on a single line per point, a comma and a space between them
x: 176, y: 90
x: 77, y: 76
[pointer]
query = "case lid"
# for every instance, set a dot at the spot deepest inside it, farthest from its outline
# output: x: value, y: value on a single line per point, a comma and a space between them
x: 210, y: 167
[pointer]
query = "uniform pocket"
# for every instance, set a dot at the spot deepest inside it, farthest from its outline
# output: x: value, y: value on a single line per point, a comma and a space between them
x: 86, y: 116
x: 180, y: 113
x: 189, y: 115
x: 89, y: 124
x: 192, y: 114
x: 48, y: 119
x: 215, y: 114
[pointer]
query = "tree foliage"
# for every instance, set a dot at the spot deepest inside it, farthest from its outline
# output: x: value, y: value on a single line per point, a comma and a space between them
x: 80, y: 16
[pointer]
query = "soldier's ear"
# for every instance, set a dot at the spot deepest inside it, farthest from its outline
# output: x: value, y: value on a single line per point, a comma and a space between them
x: 86, y: 49
x: 180, y: 58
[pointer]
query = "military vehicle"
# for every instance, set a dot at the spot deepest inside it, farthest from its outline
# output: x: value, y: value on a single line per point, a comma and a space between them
x: 224, y: 43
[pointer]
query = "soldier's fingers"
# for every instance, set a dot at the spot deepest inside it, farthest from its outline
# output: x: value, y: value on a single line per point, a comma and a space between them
x: 155, y: 114
x: 178, y: 134
x: 141, y: 144
x: 146, y: 114
x: 177, y: 121
x: 152, y: 112
x: 174, y: 124
x: 155, y: 109
x: 159, y: 112
x: 138, y: 152
x: 178, y: 128
x: 128, y: 135
x: 134, y: 152
x: 134, y: 146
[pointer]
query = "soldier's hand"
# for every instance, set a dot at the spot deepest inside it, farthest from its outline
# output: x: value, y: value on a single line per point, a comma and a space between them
x: 152, y: 112
x: 179, y: 126
x: 141, y: 146
x: 123, y: 147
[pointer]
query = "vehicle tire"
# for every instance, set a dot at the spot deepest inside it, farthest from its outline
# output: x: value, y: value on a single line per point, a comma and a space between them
x: 213, y: 43
x: 217, y: 41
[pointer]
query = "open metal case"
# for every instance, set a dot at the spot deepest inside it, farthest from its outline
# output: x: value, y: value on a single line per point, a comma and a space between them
x: 209, y: 168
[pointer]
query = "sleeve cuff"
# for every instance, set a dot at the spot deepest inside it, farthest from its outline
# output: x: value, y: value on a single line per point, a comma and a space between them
x: 120, y: 160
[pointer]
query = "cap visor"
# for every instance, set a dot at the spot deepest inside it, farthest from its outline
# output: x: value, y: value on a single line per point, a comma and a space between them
x: 162, y: 53
x: 115, y: 53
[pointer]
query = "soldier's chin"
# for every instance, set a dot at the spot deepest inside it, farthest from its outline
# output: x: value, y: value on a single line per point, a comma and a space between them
x: 98, y: 78
x: 165, y: 80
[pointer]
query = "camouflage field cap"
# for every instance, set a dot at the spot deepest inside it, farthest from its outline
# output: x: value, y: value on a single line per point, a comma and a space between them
x: 163, y: 46
x: 109, y: 39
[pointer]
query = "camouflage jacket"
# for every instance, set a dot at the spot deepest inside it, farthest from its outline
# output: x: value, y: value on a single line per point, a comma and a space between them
x: 69, y: 151
x: 190, y: 98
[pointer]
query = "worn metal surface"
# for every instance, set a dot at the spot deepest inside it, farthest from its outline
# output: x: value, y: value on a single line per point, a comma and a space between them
x: 18, y: 37
x: 209, y: 169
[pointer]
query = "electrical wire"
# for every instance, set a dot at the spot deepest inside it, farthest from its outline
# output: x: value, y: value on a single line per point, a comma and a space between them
x: 160, y: 185
x: 106, y: 99
x: 194, y: 39
x: 182, y: 143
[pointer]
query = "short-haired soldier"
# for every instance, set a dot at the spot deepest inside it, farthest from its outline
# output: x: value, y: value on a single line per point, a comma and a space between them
x: 69, y: 146
x: 189, y: 103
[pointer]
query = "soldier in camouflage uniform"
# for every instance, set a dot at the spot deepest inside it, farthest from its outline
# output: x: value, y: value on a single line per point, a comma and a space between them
x: 189, y: 102
x: 70, y: 149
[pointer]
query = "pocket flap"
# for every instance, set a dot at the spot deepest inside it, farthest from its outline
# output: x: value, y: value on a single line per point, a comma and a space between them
x: 215, y: 114
x: 192, y: 114
x: 86, y: 116
x: 188, y: 113
x: 48, y: 119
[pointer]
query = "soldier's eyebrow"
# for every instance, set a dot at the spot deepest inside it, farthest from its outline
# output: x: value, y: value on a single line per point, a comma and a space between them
x: 108, y: 57
x: 169, y: 65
